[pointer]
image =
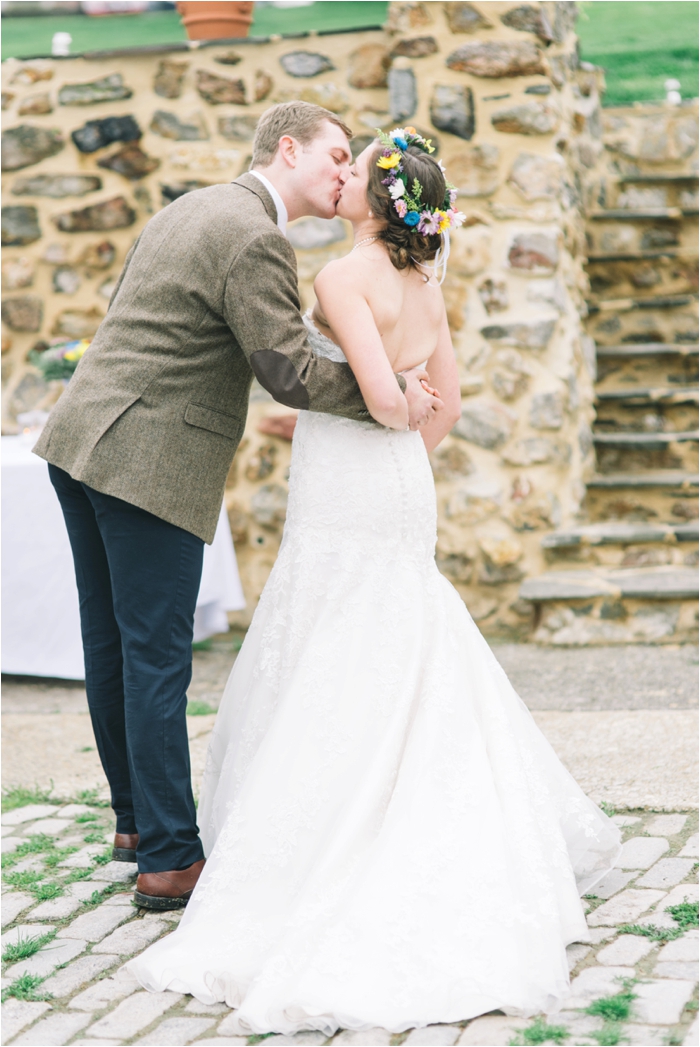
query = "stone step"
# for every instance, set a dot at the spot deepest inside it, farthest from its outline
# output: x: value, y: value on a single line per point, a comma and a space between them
x: 638, y: 256
x: 644, y: 441
x: 647, y: 397
x: 641, y: 583
x: 646, y: 349
x: 624, y: 179
x: 626, y: 305
x: 649, y: 478
x: 655, y: 213
x: 618, y: 532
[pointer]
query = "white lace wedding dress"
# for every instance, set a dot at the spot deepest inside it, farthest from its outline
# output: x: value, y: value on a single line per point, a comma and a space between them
x: 392, y: 841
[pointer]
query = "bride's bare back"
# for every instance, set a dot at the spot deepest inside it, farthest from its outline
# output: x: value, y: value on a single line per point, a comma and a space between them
x: 388, y: 320
x: 406, y: 307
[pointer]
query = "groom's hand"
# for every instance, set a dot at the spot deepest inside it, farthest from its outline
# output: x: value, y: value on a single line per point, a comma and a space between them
x: 423, y: 402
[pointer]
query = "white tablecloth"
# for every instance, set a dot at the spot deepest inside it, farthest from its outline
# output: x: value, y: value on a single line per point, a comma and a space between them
x: 41, y: 623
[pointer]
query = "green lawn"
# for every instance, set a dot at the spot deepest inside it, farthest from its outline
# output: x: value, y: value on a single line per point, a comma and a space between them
x: 22, y: 37
x: 640, y: 43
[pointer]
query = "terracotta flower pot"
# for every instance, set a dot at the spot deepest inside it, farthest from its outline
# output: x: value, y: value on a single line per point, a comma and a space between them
x: 217, y: 20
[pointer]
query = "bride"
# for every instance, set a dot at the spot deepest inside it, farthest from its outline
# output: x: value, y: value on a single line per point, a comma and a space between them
x: 391, y: 841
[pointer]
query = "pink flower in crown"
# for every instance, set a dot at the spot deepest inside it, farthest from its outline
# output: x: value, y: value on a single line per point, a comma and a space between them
x: 401, y: 208
x: 453, y: 197
x: 429, y: 223
x: 456, y: 218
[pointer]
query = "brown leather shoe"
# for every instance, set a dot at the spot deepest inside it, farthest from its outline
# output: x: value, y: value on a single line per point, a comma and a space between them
x: 167, y: 890
x: 125, y: 845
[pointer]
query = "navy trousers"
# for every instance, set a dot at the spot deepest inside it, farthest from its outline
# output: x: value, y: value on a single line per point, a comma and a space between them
x: 138, y: 579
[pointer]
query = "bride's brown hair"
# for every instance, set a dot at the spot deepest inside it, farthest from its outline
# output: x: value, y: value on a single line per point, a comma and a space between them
x: 405, y: 244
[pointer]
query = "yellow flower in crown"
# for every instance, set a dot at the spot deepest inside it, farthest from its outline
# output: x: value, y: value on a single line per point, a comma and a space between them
x: 445, y: 221
x: 388, y: 162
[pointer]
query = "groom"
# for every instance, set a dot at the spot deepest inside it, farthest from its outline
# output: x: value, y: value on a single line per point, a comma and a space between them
x: 141, y: 441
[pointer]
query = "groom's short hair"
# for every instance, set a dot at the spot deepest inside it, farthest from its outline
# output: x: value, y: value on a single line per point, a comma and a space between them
x: 302, y: 120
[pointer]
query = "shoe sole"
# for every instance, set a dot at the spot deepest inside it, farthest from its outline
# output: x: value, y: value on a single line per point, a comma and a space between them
x: 154, y: 901
x: 123, y: 854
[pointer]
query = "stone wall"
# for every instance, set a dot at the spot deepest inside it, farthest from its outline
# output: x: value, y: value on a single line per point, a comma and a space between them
x: 94, y: 145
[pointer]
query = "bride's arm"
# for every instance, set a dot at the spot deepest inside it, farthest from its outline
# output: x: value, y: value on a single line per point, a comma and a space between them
x: 350, y: 318
x: 442, y: 372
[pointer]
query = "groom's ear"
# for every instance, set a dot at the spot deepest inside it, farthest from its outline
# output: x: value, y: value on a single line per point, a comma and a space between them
x: 289, y: 150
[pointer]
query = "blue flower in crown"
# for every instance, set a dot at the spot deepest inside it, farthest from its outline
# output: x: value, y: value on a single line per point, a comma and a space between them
x: 412, y: 218
x: 401, y: 142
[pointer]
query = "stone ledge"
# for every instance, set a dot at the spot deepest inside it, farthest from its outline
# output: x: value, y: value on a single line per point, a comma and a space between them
x: 646, y: 349
x: 662, y: 394
x: 648, y: 583
x: 614, y: 533
x: 651, y: 478
x: 647, y: 441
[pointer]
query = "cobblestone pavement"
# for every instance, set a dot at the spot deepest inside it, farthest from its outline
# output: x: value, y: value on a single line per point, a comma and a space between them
x: 61, y: 890
x: 622, y: 721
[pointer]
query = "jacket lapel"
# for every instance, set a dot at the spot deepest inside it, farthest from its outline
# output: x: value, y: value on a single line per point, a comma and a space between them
x: 250, y: 182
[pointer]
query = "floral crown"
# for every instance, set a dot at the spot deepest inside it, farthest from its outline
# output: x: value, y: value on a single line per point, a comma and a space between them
x: 407, y: 200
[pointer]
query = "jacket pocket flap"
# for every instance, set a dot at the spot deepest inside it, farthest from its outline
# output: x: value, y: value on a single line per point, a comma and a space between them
x: 215, y: 421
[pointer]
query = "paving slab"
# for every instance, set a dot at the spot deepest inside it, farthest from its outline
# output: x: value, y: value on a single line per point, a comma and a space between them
x: 685, y: 948
x: 683, y: 892
x: 593, y: 982
x: 25, y: 932
x: 46, y: 827
x: 54, y: 954
x: 626, y: 950
x: 496, y: 1030
x: 313, y: 1039
x: 624, y: 907
x: 180, y: 1031
x: 679, y: 970
x: 132, y: 938
x: 612, y: 883
x: 691, y: 1038
x: 14, y: 903
x: 9, y: 844
x: 195, y: 1007
x: 576, y: 953
x: 17, y: 1014
x: 646, y: 1035
x: 134, y: 1014
x: 691, y: 848
x: 119, y: 985
x: 95, y: 925
x: 641, y: 852
x: 29, y: 813
x: 666, y: 824
x: 662, y: 1002
x: 434, y: 1036
x: 77, y: 974
x: 667, y: 873
x: 364, y: 1038
x: 55, y: 1030
x: 56, y: 909
x: 115, y: 872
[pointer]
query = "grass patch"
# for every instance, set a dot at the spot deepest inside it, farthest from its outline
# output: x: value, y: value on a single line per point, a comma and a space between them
x: 23, y: 880
x: 96, y: 837
x: 84, y: 819
x: 199, y: 709
x: 202, y: 645
x: 25, y: 988
x: 21, y: 797
x: 102, y: 859
x: 685, y: 914
x: 90, y: 796
x: 609, y: 1036
x: 46, y: 892
x: 607, y: 808
x: 25, y: 948
x: 615, y: 1008
x: 38, y: 844
x: 650, y: 930
x: 541, y: 1032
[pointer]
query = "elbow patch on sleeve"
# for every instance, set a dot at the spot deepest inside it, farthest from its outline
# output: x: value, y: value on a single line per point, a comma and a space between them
x: 276, y: 373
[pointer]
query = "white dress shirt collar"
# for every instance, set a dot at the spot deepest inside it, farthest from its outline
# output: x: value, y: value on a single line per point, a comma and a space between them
x: 277, y: 199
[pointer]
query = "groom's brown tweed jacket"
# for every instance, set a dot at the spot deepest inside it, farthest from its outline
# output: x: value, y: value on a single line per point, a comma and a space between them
x: 207, y: 297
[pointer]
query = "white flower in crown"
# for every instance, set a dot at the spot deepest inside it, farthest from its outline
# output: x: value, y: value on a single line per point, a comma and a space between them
x: 441, y: 166
x: 458, y: 218
x: 397, y: 189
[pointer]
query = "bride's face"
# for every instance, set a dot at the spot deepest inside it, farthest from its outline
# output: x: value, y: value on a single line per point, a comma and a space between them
x: 353, y: 204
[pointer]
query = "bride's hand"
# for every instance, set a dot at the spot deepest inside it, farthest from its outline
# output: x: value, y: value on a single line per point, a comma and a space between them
x: 423, y: 402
